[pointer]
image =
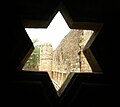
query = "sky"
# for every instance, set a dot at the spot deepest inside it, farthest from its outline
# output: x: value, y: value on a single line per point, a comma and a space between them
x: 54, y: 34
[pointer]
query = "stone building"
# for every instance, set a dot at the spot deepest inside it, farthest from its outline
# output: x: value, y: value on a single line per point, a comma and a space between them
x: 68, y: 56
x: 46, y: 52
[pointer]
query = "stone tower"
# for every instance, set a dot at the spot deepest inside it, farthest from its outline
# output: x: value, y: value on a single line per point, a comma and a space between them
x: 46, y: 52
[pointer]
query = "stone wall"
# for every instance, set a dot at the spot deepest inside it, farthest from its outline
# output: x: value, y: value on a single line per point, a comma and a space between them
x: 68, y: 55
x: 46, y: 52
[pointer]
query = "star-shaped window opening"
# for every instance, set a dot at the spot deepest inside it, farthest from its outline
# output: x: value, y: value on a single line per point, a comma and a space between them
x: 58, y: 50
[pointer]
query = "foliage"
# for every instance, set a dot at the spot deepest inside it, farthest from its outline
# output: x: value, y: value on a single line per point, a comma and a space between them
x: 33, y: 61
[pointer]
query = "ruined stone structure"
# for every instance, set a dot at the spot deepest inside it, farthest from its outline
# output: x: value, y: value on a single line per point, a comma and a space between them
x: 46, y: 52
x: 69, y: 57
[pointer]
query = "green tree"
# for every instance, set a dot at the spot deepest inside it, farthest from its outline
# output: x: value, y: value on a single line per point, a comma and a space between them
x: 33, y: 61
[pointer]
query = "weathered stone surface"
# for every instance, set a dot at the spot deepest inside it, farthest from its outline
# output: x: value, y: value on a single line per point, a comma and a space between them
x: 68, y: 56
x: 46, y: 52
